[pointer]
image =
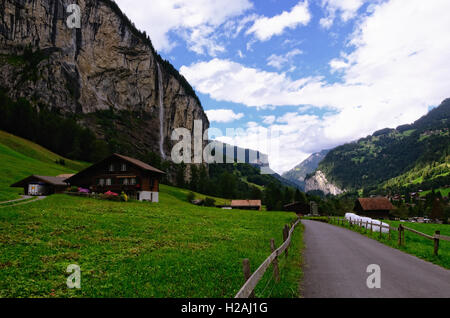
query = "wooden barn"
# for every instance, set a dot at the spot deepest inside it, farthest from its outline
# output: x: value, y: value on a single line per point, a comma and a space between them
x: 42, y: 185
x: 246, y: 205
x: 297, y: 207
x: 376, y: 208
x: 118, y: 174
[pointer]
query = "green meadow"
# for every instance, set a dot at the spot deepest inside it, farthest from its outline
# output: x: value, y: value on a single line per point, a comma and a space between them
x: 169, y: 249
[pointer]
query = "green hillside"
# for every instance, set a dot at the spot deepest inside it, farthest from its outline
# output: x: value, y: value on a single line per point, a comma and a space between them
x: 411, y: 156
x: 20, y: 158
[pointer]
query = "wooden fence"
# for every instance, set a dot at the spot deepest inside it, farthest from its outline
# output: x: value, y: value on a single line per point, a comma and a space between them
x: 400, y: 229
x: 247, y: 291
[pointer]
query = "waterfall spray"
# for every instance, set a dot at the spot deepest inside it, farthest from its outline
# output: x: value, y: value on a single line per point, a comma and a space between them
x: 161, y: 113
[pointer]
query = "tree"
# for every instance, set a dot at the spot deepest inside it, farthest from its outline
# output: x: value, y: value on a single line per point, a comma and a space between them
x: 181, y: 170
x: 194, y: 182
x: 437, y: 210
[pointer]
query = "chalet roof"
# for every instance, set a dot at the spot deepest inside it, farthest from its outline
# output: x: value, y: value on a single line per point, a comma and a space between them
x: 55, y: 181
x: 247, y: 203
x: 141, y: 165
x: 296, y: 204
x: 66, y: 176
x: 375, y: 204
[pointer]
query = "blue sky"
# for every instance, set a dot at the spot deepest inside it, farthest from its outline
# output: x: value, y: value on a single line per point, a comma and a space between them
x: 320, y: 73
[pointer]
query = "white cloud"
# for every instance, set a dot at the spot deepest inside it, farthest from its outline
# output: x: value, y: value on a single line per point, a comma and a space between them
x: 195, y: 20
x: 265, y: 28
x: 338, y: 65
x: 269, y: 120
x: 223, y: 115
x: 397, y: 69
x: 346, y: 9
x: 279, y: 61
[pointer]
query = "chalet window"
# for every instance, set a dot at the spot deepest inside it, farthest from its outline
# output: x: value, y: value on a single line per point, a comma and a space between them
x: 133, y: 181
x: 111, y: 168
x: 125, y: 181
x: 108, y: 182
x: 101, y: 182
x: 124, y: 167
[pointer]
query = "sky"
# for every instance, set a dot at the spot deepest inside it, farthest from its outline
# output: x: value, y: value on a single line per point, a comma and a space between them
x: 295, y: 77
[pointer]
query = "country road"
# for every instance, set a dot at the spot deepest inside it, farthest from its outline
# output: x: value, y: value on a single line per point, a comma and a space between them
x: 336, y: 260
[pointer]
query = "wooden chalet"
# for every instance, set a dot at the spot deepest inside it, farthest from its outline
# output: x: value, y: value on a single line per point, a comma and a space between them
x: 376, y: 208
x: 246, y: 205
x: 118, y: 174
x: 297, y: 207
x: 42, y: 185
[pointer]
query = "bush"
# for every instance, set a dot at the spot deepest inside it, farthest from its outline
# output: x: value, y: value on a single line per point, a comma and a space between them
x: 209, y: 202
x: 73, y: 189
x: 190, y: 196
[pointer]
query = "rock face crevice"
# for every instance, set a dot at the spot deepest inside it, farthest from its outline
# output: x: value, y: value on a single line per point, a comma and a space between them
x: 319, y: 182
x: 105, y: 65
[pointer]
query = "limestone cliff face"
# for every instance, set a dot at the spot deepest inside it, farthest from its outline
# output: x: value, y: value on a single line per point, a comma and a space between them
x: 319, y: 182
x: 104, y: 65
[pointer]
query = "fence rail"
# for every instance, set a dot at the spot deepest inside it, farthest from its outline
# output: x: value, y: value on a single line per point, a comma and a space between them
x: 401, y: 231
x: 252, y: 280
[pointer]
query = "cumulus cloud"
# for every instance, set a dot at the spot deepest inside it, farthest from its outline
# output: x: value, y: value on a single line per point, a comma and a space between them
x: 265, y: 28
x: 223, y: 115
x: 195, y: 20
x: 345, y: 9
x: 396, y: 68
x: 279, y: 61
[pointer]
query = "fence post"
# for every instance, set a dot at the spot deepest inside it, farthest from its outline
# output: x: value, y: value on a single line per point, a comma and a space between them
x: 381, y: 229
x: 371, y: 227
x: 400, y: 229
x: 285, y: 237
x: 276, y: 271
x: 247, y: 273
x: 436, y: 243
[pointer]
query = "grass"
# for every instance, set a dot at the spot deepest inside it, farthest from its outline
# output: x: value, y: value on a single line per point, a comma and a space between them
x: 21, y: 158
x: 416, y: 244
x: 170, y: 249
x: 444, y: 192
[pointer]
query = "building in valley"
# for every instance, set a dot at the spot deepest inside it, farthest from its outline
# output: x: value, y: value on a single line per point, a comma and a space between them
x: 118, y: 174
x: 375, y: 208
x: 246, y: 205
x: 42, y: 185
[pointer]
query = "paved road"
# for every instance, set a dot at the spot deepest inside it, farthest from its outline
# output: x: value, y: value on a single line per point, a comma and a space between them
x: 336, y: 260
x: 24, y: 197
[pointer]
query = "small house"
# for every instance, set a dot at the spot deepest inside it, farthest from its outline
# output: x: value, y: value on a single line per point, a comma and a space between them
x: 297, y: 207
x: 42, y: 185
x: 246, y: 205
x: 118, y: 174
x: 376, y: 208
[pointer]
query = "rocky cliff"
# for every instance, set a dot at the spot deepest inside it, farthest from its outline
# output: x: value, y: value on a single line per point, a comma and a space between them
x: 106, y: 72
x: 298, y: 174
x: 319, y: 182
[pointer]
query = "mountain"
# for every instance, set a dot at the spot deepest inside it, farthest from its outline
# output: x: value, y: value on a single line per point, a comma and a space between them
x: 105, y: 75
x: 409, y: 157
x: 298, y: 174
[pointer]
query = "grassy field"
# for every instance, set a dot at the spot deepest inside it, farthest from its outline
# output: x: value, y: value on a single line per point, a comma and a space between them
x: 170, y: 249
x: 21, y: 158
x: 416, y: 244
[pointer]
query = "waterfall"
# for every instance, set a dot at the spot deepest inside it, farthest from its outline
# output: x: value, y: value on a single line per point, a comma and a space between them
x: 161, y: 113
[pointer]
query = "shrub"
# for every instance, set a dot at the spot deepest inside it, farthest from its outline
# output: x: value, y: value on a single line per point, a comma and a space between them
x: 190, y: 196
x: 209, y: 202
